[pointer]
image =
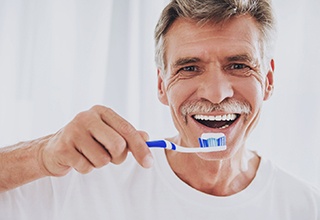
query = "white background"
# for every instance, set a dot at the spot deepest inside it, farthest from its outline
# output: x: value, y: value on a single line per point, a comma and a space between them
x: 60, y: 57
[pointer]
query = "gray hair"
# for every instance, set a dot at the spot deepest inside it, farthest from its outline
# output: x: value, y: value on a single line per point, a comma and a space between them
x: 216, y: 11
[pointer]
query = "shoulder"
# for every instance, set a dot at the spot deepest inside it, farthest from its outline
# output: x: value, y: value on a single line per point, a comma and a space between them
x: 293, y: 187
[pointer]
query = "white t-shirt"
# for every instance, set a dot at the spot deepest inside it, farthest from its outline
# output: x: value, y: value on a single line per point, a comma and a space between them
x: 128, y: 191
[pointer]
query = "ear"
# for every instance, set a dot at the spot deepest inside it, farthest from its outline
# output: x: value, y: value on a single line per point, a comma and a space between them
x: 269, y: 86
x: 162, y: 94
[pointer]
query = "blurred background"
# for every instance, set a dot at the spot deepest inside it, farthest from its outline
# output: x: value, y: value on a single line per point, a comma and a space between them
x: 60, y: 57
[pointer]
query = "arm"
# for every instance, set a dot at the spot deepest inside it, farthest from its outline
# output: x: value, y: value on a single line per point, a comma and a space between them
x: 91, y: 140
x: 21, y: 163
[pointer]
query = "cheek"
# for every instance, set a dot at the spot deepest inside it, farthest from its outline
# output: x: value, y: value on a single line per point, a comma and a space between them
x: 260, y: 82
x: 252, y: 93
x: 178, y: 91
x: 177, y: 94
x: 252, y: 88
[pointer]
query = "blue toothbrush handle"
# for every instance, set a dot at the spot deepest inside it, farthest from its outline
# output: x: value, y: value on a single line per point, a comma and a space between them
x: 161, y: 144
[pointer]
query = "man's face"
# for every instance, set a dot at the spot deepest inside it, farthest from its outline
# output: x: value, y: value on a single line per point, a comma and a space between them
x: 214, y: 80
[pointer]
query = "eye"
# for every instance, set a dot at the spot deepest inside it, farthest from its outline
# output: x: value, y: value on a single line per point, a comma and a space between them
x: 189, y: 69
x: 238, y: 66
x: 239, y: 69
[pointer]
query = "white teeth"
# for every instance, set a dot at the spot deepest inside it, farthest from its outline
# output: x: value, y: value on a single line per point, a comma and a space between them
x: 227, y: 117
x: 225, y: 126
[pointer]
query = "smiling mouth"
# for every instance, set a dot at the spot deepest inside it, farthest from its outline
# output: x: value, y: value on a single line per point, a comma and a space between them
x: 217, y: 121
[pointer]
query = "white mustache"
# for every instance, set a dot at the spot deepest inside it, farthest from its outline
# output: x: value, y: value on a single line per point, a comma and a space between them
x: 204, y: 106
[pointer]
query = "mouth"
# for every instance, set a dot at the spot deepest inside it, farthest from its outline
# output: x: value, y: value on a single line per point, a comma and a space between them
x: 217, y: 121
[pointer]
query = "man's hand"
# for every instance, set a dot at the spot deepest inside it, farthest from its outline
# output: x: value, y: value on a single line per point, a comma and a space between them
x: 92, y: 140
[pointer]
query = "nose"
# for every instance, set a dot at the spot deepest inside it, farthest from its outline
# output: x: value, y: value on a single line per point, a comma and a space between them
x: 215, y: 86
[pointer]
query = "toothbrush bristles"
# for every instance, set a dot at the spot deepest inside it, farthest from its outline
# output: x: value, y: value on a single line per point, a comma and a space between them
x: 212, y: 142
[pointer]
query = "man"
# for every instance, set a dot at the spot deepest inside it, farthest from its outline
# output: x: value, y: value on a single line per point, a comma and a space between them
x: 215, y: 69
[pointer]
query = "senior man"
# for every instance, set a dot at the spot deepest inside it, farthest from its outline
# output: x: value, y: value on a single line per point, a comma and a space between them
x: 215, y: 70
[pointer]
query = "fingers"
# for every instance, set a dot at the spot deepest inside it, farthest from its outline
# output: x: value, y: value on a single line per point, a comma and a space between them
x: 110, y: 141
x: 135, y: 140
x: 93, y: 152
x: 93, y: 139
x: 144, y: 135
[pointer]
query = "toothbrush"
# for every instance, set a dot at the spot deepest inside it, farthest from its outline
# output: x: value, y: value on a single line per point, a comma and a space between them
x: 209, y: 142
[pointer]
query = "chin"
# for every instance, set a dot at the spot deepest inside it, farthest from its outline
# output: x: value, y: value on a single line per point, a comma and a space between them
x: 216, y: 156
x: 213, y: 156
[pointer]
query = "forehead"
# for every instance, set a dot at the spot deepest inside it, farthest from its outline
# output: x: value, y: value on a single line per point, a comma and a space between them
x: 187, y: 38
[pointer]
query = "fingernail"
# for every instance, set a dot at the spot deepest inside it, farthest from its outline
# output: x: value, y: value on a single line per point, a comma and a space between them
x: 147, y: 161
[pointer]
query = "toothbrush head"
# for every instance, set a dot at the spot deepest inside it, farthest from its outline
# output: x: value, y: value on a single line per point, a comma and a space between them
x: 215, y: 140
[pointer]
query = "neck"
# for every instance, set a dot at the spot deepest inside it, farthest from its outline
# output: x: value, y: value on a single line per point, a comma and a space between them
x: 216, y: 177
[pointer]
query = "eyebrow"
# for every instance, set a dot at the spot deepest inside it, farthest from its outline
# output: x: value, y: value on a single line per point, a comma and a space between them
x: 241, y: 57
x: 185, y: 60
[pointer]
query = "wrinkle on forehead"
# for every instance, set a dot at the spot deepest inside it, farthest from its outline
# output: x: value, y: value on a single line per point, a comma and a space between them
x: 184, y: 32
x: 236, y: 40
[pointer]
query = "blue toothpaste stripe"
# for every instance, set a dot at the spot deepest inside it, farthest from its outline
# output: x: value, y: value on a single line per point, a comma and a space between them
x: 212, y: 142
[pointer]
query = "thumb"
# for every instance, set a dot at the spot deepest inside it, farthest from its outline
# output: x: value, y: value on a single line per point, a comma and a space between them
x: 144, y: 135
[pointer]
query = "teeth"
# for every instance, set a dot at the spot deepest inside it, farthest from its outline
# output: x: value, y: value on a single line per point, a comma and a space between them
x: 225, y: 126
x: 227, y: 117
